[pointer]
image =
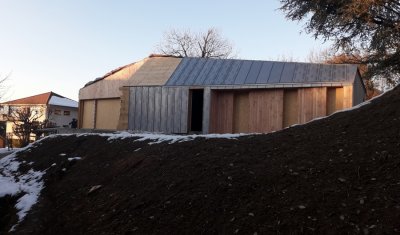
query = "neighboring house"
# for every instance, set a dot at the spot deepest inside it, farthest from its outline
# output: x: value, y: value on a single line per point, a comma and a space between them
x: 57, y: 110
x: 175, y: 95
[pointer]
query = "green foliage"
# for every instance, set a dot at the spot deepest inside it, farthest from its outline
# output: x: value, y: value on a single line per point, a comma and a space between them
x: 370, y: 28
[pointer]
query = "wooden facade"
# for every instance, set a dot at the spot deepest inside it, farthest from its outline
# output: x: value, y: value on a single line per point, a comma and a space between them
x: 311, y: 103
x: 290, y: 107
x: 102, y: 100
x: 221, y: 112
x: 107, y: 114
x: 87, y: 111
x: 268, y: 110
x: 167, y: 109
x: 103, y: 114
x: 239, y: 96
x: 158, y: 109
x: 241, y: 111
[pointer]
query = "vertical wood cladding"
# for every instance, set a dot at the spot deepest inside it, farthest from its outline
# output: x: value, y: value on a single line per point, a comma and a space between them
x: 241, y: 112
x: 107, y: 114
x: 221, y: 112
x: 290, y: 107
x: 88, y: 114
x: 248, y: 111
x: 266, y: 110
x: 347, y: 97
x: 124, y: 111
x: 312, y: 103
x: 206, y: 110
x: 158, y: 109
x: 166, y: 109
x: 334, y: 100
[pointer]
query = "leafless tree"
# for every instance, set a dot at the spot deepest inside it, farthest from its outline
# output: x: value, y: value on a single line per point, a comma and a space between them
x: 185, y: 43
x: 25, y: 121
x: 321, y: 56
x: 3, y: 86
x: 285, y: 58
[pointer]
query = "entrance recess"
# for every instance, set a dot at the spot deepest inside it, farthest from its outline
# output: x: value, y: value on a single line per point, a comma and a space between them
x: 196, y: 109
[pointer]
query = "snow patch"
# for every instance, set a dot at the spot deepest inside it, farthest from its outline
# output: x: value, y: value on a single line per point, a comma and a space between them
x: 74, y: 158
x: 8, y: 186
x: 31, y: 184
x: 5, y: 150
x: 55, y: 100
x: 14, y: 183
x: 159, y: 138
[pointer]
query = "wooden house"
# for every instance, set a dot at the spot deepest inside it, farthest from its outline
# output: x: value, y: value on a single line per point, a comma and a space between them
x: 198, y: 95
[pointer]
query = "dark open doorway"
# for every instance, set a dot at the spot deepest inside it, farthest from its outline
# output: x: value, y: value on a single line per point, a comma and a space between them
x: 196, y: 117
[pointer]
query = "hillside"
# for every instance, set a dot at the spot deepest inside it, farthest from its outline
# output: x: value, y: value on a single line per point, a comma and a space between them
x: 338, y: 175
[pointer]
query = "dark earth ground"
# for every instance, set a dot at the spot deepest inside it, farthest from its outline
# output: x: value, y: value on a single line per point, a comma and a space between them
x: 339, y: 175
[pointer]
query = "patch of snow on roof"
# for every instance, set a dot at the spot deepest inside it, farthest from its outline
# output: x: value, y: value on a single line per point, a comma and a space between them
x: 55, y: 100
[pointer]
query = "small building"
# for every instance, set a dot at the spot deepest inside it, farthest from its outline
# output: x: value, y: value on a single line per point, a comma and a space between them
x: 57, y: 110
x: 200, y: 95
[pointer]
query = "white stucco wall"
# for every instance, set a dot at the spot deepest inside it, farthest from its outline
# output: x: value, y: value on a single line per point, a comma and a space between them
x: 58, y: 116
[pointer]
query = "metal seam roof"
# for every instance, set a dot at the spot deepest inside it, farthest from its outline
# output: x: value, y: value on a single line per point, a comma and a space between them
x: 202, y: 71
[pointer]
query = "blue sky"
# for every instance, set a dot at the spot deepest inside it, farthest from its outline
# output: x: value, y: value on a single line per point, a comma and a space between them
x: 61, y: 45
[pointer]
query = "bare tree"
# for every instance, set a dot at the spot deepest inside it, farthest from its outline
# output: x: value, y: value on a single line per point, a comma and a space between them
x: 285, y: 58
x: 3, y: 86
x: 185, y: 43
x: 321, y: 56
x: 26, y: 120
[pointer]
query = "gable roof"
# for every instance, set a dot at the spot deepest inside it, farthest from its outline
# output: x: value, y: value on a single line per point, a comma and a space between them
x: 44, y: 99
x: 62, y: 101
x: 206, y: 71
x: 36, y: 99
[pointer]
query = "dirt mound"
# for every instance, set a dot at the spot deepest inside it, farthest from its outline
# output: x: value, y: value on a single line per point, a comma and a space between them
x: 339, y: 175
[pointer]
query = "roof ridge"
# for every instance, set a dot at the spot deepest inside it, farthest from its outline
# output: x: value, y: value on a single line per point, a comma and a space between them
x: 27, y: 97
x: 275, y: 61
x: 42, y: 98
x: 53, y: 94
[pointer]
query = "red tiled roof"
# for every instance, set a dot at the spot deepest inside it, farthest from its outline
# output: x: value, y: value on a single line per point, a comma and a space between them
x: 36, y: 99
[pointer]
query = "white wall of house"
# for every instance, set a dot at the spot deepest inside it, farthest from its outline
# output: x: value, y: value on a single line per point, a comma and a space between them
x: 61, y: 115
